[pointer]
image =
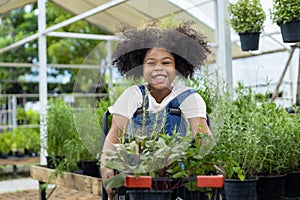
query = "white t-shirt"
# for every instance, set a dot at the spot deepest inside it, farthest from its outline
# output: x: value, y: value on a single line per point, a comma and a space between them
x: 132, y: 99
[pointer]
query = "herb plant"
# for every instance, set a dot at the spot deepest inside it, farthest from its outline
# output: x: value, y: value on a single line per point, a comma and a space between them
x: 284, y: 11
x: 246, y: 16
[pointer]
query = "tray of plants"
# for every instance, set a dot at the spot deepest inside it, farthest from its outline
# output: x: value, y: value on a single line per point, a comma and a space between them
x: 162, y: 167
x: 154, y: 165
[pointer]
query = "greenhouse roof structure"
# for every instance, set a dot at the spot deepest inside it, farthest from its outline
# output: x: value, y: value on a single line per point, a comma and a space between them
x: 204, y: 12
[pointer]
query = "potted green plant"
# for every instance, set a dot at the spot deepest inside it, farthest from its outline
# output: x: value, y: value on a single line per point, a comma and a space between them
x: 238, y: 145
x: 60, y: 128
x: 276, y: 140
x: 285, y: 14
x: 247, y: 18
x: 63, y: 143
x: 20, y: 141
x: 256, y: 141
x: 33, y: 141
x: 292, y: 179
x: 6, y: 140
x: 89, y: 137
x: 144, y: 155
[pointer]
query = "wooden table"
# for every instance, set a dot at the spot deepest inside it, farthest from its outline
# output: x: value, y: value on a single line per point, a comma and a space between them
x: 14, y: 161
x: 70, y: 180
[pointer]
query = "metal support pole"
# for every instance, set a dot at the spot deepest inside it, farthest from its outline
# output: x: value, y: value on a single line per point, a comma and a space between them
x: 274, y: 95
x: 42, y: 191
x: 14, y: 111
x: 9, y: 111
x: 15, y: 172
x: 108, y: 63
x: 223, y: 40
x: 298, y: 82
x: 42, y: 79
x: 282, y: 75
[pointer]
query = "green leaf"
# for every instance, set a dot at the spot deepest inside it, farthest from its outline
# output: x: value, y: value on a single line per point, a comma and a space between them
x: 115, y: 181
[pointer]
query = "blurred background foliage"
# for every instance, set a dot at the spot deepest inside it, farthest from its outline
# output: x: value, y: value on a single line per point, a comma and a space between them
x: 21, y: 23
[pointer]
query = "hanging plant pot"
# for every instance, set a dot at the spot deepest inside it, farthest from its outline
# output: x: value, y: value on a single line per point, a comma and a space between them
x: 290, y: 31
x: 236, y: 189
x: 249, y: 41
x: 270, y: 187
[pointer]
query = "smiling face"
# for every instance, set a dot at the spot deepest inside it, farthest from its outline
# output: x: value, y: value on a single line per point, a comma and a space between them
x: 159, y: 69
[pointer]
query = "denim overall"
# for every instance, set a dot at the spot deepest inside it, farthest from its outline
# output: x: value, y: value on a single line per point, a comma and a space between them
x: 167, y: 121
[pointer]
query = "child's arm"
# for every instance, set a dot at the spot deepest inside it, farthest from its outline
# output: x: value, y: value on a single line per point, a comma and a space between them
x: 116, y: 130
x: 199, y: 126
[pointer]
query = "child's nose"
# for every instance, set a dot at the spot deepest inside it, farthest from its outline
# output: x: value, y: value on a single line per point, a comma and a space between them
x: 158, y: 66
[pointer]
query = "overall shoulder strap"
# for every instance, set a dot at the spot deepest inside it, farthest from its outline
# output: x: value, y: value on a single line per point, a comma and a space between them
x: 173, y: 106
x: 142, y: 88
x: 145, y: 97
x: 175, y: 103
x: 145, y: 100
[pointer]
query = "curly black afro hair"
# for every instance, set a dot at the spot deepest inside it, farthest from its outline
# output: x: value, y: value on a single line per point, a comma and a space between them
x: 188, y: 47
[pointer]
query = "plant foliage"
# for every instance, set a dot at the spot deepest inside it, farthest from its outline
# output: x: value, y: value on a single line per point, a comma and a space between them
x: 284, y: 11
x: 246, y: 16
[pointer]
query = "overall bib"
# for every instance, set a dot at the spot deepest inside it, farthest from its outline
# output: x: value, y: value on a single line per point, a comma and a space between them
x: 168, y: 120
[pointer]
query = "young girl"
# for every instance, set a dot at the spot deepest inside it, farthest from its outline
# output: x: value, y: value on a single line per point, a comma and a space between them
x: 159, y: 56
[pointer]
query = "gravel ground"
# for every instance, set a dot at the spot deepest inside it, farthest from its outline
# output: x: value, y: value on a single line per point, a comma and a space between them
x: 14, y: 185
x: 27, y: 189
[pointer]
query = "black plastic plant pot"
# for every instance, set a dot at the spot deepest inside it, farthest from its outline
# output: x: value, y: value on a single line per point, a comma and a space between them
x: 235, y: 189
x: 249, y: 41
x: 270, y: 187
x: 149, y: 194
x: 3, y: 155
x: 53, y: 161
x: 292, y: 185
x: 290, y: 31
x: 90, y: 168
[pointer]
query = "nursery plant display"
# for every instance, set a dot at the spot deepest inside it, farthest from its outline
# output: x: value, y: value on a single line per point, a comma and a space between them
x: 285, y: 14
x: 247, y: 18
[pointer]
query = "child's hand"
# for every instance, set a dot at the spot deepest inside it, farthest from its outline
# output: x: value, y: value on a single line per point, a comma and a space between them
x: 107, y: 173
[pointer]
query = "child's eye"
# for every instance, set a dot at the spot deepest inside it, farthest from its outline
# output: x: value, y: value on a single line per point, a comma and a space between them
x: 166, y: 62
x: 150, y: 64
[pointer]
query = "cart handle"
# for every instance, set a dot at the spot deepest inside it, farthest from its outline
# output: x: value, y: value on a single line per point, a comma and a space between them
x: 208, y: 181
x: 214, y: 181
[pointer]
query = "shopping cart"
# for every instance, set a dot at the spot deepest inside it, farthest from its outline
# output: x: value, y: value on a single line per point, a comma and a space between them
x: 166, y: 188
